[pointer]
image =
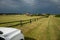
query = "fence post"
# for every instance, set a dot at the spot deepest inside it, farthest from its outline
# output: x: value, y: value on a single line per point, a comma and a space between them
x: 37, y: 18
x: 21, y: 22
x: 30, y: 20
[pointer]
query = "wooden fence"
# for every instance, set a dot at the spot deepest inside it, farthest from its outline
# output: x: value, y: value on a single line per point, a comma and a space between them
x: 22, y: 22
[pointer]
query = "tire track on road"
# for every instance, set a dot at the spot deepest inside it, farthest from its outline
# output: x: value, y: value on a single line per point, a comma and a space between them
x: 52, y: 30
x: 57, y: 29
x: 36, y: 32
x: 48, y: 30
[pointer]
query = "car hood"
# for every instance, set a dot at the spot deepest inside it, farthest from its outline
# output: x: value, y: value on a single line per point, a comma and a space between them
x: 7, y: 31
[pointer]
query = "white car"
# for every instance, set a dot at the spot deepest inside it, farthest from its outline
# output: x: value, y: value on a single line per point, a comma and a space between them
x: 10, y: 34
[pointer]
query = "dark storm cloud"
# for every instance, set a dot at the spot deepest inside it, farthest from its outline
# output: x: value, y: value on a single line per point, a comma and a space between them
x: 29, y: 5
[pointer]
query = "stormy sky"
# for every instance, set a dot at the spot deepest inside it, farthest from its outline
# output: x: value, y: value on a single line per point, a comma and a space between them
x: 32, y: 6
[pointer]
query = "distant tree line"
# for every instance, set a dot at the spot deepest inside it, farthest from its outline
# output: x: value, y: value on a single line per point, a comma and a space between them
x: 10, y: 13
x: 28, y: 14
x: 37, y: 14
x: 57, y: 15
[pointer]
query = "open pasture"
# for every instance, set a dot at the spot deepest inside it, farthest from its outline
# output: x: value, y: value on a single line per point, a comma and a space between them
x: 47, y: 28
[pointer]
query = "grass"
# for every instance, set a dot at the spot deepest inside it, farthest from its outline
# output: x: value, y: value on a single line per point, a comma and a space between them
x: 43, y: 29
x: 9, y: 18
x: 12, y: 18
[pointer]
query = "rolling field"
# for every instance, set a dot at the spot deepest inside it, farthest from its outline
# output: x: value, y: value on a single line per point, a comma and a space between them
x: 7, y: 18
x: 13, y: 19
x: 43, y: 29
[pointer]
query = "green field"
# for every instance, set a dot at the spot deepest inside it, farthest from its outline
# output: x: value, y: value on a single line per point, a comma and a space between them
x: 47, y: 28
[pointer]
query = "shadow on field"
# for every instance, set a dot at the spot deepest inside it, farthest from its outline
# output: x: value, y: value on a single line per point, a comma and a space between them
x: 9, y: 22
x: 18, y: 24
x: 14, y: 25
x: 57, y: 30
x: 28, y: 38
x: 57, y: 15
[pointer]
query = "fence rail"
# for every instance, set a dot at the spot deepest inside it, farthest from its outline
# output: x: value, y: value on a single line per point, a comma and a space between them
x: 22, y: 22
